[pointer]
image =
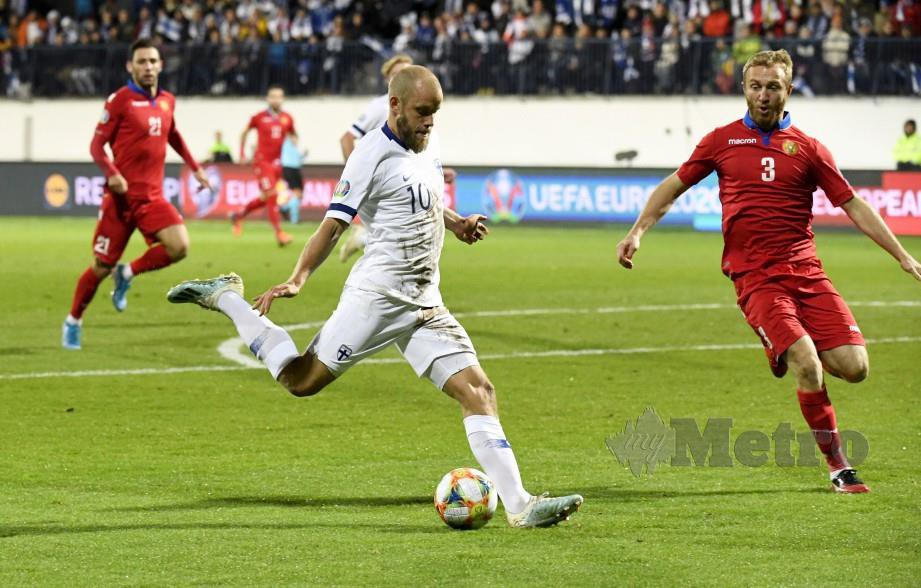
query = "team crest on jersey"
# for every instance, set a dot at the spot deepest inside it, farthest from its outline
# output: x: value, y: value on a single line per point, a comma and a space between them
x: 164, y: 105
x: 342, y: 189
x: 790, y: 148
x: 344, y: 353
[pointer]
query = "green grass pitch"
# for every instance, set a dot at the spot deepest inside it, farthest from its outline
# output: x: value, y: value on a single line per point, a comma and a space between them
x: 221, y: 478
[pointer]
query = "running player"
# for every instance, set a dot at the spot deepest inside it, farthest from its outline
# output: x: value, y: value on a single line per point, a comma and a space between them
x: 137, y: 123
x: 273, y: 126
x: 768, y: 170
x: 391, y: 296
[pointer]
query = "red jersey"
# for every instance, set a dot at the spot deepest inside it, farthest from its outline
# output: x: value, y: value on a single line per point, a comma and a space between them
x: 137, y: 126
x: 766, y: 182
x: 271, y: 129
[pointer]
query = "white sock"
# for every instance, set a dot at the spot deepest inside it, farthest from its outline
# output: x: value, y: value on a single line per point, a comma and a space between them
x: 70, y: 320
x: 490, y: 447
x: 126, y: 271
x: 269, y: 343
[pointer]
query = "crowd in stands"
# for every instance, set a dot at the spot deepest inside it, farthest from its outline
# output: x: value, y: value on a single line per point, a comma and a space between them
x: 506, y: 46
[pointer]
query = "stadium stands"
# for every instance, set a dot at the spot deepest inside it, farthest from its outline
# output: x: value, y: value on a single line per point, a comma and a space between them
x: 499, y: 47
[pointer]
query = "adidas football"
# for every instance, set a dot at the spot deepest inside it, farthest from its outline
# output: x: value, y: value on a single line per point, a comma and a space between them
x: 466, y: 499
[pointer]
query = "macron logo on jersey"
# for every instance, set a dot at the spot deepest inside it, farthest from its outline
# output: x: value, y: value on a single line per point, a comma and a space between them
x: 749, y: 141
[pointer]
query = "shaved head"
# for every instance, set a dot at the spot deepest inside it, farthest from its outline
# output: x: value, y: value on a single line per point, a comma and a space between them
x: 415, y: 96
x: 414, y: 79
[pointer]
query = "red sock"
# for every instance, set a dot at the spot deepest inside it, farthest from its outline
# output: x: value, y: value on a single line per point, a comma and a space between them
x: 274, y: 216
x: 153, y: 259
x: 254, y: 204
x: 820, y: 415
x: 86, y: 289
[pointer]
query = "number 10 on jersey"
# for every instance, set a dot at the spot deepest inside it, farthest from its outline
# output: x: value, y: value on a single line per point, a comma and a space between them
x: 420, y: 194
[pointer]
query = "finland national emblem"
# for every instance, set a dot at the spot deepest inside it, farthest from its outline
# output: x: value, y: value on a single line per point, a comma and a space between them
x: 345, y: 352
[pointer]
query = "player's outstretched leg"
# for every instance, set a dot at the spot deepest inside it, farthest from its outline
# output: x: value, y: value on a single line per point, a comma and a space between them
x: 171, y: 244
x: 477, y: 397
x: 358, y: 237
x: 236, y: 218
x: 300, y: 375
x: 72, y: 329
x: 820, y: 415
x: 274, y: 215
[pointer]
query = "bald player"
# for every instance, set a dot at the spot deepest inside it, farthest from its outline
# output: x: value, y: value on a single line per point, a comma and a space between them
x: 393, y: 183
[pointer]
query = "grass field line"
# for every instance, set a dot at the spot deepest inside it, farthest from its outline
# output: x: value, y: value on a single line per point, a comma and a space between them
x: 253, y: 364
x: 232, y: 349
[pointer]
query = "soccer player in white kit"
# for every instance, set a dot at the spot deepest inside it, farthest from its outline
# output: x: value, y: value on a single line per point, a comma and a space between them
x: 372, y: 119
x: 393, y: 183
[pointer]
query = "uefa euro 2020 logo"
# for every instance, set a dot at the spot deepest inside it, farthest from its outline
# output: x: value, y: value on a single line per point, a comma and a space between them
x: 205, y: 200
x: 504, y: 199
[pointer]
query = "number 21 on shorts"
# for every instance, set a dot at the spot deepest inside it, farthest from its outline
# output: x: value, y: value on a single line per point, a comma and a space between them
x: 767, y: 169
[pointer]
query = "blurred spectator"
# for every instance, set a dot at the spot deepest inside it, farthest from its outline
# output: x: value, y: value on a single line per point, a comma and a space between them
x: 539, y: 21
x: 219, y: 151
x: 859, y: 77
x: 907, y: 150
x: 835, y: 48
x: 718, y: 23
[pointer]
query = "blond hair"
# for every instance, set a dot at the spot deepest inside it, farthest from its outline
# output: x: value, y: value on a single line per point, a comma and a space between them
x: 393, y: 62
x: 770, y: 59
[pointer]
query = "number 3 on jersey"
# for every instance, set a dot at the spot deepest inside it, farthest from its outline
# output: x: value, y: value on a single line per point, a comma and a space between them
x: 156, y: 126
x: 767, y: 171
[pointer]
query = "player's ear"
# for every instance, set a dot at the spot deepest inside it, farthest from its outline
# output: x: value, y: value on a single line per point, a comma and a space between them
x: 394, y: 104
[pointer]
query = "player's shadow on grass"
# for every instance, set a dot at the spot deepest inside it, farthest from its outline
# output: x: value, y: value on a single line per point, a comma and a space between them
x: 282, y: 501
x: 630, y: 495
x: 7, y: 531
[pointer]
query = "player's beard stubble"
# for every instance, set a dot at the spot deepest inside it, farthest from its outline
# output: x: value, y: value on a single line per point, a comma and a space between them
x: 408, y: 135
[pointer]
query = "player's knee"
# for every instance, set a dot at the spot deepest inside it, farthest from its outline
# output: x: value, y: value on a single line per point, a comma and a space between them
x: 856, y: 371
x: 177, y: 251
x: 806, y: 367
x: 302, y: 388
x: 480, y: 398
x: 101, y: 268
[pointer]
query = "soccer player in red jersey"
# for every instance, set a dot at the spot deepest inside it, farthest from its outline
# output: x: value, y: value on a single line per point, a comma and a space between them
x: 272, y: 126
x: 768, y: 171
x: 137, y: 123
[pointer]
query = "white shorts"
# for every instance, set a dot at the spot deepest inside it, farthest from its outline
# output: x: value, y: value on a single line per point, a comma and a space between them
x: 367, y: 322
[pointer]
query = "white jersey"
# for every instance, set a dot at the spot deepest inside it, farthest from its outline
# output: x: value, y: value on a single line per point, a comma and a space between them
x: 373, y: 118
x: 397, y: 194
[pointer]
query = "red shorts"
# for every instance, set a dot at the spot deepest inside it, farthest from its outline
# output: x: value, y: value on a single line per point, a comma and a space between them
x: 786, y: 301
x: 268, y: 174
x: 119, y: 216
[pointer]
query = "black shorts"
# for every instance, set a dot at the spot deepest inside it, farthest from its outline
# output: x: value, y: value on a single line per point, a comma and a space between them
x: 292, y: 176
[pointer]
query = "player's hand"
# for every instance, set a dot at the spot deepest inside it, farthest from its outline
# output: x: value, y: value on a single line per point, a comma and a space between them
x: 118, y: 184
x: 263, y: 302
x: 471, y: 229
x: 626, y: 249
x: 911, y: 265
x: 203, y: 182
x: 450, y: 174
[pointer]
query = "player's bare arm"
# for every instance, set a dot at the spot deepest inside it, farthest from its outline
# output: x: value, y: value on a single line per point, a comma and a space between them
x: 868, y: 220
x: 468, y: 229
x: 315, y: 252
x: 117, y: 183
x: 658, y: 204
x: 243, y: 145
